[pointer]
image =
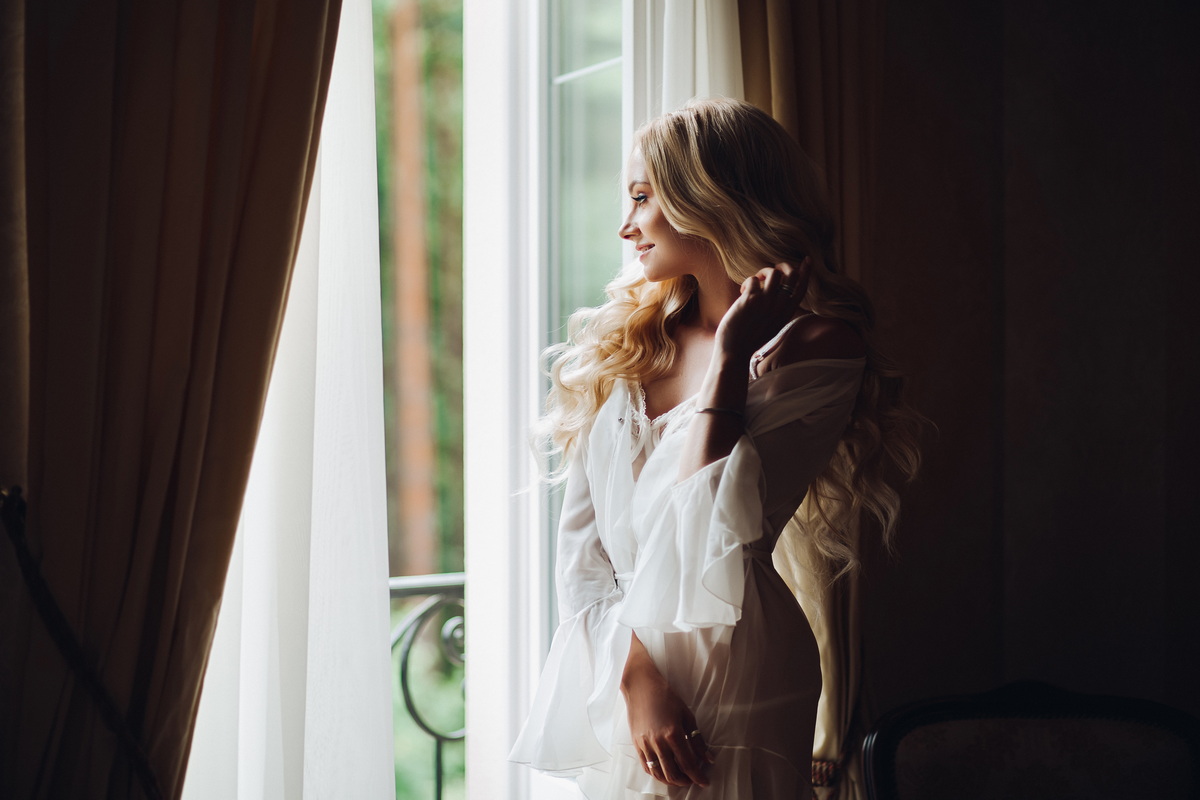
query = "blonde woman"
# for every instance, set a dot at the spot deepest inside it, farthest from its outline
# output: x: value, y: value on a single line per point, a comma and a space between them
x: 729, y: 376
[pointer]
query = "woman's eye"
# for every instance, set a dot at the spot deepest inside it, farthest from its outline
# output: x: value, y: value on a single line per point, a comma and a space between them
x: 639, y: 198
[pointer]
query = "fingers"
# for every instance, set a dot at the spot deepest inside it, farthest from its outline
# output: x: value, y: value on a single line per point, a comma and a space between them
x: 688, y: 760
x: 773, y: 278
x: 651, y: 764
x: 793, y: 280
x: 661, y: 766
x: 782, y: 278
x: 677, y: 758
x: 700, y: 747
x: 753, y: 284
x: 660, y: 763
x: 671, y: 773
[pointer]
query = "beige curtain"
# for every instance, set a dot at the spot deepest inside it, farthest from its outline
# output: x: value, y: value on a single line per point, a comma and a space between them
x: 814, y: 65
x: 156, y: 158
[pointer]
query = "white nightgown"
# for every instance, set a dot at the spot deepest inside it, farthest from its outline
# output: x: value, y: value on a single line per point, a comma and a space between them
x: 687, y: 566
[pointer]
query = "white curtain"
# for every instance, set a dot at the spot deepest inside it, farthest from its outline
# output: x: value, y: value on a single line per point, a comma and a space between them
x: 701, y: 51
x: 680, y: 49
x: 297, y: 698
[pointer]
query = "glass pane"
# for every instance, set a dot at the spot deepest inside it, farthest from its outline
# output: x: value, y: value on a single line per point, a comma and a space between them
x: 418, y: 80
x: 419, y: 118
x: 585, y: 194
x: 583, y: 32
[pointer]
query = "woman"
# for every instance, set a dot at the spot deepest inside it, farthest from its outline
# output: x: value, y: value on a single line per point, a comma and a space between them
x: 729, y: 374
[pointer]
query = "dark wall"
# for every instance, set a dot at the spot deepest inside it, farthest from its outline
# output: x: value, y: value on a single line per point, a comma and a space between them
x: 1038, y: 244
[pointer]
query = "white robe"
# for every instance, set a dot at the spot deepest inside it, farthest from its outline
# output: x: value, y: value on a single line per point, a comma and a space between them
x: 687, y: 566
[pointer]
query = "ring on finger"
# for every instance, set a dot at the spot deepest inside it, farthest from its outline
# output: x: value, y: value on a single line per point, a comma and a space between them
x: 651, y: 765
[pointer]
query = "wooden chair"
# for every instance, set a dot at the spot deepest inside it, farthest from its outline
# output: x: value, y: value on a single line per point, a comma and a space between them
x: 1030, y: 741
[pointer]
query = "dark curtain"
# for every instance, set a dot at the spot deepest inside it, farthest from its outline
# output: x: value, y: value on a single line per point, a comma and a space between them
x: 156, y: 157
x: 1037, y: 198
x: 1027, y: 191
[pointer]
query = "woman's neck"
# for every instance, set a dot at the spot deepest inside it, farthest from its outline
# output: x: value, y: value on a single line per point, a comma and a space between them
x: 715, y: 293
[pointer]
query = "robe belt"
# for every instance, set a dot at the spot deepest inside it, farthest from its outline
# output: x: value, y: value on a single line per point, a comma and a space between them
x: 623, y: 578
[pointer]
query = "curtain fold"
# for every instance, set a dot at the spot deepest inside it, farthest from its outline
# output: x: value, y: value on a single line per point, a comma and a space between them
x: 14, y: 279
x: 835, y: 614
x: 815, y: 66
x: 298, y: 701
x: 701, y: 54
x: 168, y: 151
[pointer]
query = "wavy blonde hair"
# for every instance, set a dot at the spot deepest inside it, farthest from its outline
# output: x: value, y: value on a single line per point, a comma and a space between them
x: 726, y: 173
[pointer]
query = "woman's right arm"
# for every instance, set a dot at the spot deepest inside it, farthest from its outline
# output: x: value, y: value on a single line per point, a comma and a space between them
x: 660, y: 723
x: 584, y: 573
x: 657, y: 717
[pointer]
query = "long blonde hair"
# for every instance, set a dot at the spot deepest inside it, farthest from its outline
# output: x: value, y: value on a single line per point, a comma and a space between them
x: 725, y: 172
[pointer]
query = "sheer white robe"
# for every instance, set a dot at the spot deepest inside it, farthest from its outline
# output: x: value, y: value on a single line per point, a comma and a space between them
x: 687, y: 566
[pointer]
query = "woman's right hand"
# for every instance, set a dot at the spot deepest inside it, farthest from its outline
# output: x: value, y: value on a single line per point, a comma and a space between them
x: 663, y: 727
x: 769, y: 299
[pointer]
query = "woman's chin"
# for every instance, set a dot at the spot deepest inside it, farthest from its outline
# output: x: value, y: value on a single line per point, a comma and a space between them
x: 656, y: 276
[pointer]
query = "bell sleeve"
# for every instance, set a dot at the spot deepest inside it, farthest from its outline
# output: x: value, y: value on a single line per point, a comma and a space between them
x: 695, y: 535
x: 577, y: 700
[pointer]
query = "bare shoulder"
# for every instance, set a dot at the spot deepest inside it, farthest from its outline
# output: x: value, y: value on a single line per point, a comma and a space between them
x: 816, y: 337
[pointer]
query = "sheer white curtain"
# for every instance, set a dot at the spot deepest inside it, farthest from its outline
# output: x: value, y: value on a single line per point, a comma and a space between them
x: 680, y: 49
x: 297, y: 698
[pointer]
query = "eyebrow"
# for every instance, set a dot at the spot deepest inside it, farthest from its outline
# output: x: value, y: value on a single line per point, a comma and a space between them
x: 635, y: 183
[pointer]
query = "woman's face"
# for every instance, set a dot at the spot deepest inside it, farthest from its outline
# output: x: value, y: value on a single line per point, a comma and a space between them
x: 664, y: 252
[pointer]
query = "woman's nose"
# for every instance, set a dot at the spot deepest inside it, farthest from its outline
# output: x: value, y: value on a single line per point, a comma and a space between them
x: 627, y: 229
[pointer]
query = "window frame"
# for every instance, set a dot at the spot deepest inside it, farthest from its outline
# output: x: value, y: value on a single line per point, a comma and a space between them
x: 504, y: 114
x: 506, y: 278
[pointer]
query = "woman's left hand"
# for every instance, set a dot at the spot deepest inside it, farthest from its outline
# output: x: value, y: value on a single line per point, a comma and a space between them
x: 769, y: 299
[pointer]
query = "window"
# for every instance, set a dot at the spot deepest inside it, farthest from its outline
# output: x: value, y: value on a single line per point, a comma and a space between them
x: 545, y: 135
x: 418, y: 99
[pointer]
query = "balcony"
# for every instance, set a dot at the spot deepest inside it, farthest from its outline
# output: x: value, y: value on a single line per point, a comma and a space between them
x: 428, y: 656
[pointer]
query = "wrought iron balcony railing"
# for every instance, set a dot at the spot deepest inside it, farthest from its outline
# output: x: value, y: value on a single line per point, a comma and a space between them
x: 444, y: 600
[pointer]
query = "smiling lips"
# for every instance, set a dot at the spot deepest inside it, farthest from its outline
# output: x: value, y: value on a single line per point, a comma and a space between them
x: 644, y: 248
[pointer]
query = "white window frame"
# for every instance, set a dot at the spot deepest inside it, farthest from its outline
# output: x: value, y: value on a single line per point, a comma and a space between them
x: 508, y: 546
x: 503, y: 58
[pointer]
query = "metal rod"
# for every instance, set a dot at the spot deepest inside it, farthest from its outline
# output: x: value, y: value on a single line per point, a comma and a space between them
x: 437, y: 768
x: 442, y: 583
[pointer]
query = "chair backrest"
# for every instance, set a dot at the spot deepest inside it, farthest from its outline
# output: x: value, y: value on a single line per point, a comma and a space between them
x: 1030, y: 740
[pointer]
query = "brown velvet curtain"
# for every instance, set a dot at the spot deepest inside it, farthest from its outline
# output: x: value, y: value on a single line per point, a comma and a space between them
x: 156, y: 158
x: 1034, y: 250
x: 1038, y: 188
x: 815, y: 66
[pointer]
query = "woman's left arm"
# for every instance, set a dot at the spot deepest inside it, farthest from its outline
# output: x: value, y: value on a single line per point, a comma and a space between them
x: 768, y: 300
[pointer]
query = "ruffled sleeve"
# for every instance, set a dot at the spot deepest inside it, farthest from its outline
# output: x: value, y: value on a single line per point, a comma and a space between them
x: 578, y: 701
x: 694, y: 536
x: 584, y: 573
x: 690, y: 569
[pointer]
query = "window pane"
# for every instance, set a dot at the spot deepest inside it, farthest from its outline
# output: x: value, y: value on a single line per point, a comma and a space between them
x: 583, y: 32
x: 419, y: 118
x: 419, y: 85
x: 585, y: 166
x: 585, y: 194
